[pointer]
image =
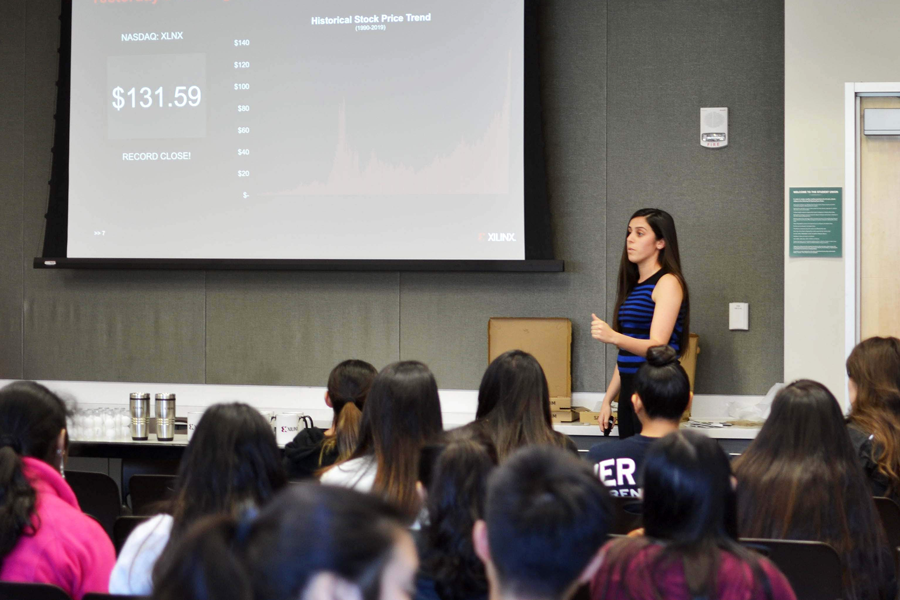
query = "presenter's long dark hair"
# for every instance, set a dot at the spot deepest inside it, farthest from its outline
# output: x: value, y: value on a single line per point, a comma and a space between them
x: 663, y: 226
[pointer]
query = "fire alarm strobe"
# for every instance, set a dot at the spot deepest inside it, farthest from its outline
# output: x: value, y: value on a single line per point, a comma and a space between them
x: 714, y: 127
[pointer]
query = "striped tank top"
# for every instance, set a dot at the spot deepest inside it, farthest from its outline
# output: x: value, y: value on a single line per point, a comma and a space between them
x: 635, y: 317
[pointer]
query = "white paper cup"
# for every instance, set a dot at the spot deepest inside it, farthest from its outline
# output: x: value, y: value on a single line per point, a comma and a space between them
x: 286, y: 427
x: 192, y: 419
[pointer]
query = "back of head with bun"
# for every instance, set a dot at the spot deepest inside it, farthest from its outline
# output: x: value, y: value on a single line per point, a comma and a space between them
x: 663, y: 384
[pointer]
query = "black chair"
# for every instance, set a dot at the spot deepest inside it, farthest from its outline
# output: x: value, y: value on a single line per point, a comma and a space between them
x: 113, y: 597
x: 31, y: 591
x: 98, y: 496
x: 148, y: 492
x: 889, y: 511
x: 628, y: 515
x: 122, y: 529
x: 812, y: 568
x: 133, y: 466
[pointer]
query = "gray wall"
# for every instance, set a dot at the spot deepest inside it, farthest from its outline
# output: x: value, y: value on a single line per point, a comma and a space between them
x: 623, y: 81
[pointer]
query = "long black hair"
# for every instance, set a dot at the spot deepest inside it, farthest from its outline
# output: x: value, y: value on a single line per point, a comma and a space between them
x: 514, y: 404
x: 663, y: 226
x: 306, y: 530
x: 31, y: 419
x: 690, y: 506
x: 457, y: 488
x: 801, y: 479
x: 402, y: 413
x: 231, y: 461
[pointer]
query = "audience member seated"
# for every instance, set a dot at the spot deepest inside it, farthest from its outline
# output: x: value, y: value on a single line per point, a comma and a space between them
x: 401, y: 414
x: 312, y: 542
x: 44, y: 536
x: 689, y: 548
x: 514, y: 405
x: 546, y: 517
x: 800, y: 479
x: 232, y: 462
x: 873, y: 369
x: 454, y: 490
x: 662, y: 394
x: 315, y: 448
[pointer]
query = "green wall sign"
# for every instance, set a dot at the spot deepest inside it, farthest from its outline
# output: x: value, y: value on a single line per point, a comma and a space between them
x: 816, y: 218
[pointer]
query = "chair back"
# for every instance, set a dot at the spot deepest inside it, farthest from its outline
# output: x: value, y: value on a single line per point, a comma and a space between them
x: 136, y: 466
x: 812, y: 568
x: 98, y: 496
x: 889, y: 511
x: 149, y: 491
x: 628, y: 515
x: 122, y: 528
x: 31, y: 591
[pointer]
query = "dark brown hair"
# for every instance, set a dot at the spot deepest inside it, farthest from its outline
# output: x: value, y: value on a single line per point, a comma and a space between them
x: 31, y: 419
x: 402, y: 413
x: 232, y: 461
x: 308, y: 529
x: 348, y: 386
x: 514, y: 404
x: 800, y: 479
x: 456, y: 495
x: 874, y: 366
x: 663, y: 226
x: 690, y: 506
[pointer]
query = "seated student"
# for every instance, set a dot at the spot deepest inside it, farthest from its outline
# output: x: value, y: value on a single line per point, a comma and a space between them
x: 662, y: 393
x: 231, y: 462
x: 312, y: 542
x: 514, y: 405
x: 546, y: 517
x: 44, y: 536
x: 690, y: 547
x: 800, y: 479
x: 402, y: 413
x: 454, y: 486
x: 314, y: 448
x: 873, y: 369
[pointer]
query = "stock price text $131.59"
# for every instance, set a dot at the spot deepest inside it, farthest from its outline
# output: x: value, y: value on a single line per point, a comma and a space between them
x: 144, y: 97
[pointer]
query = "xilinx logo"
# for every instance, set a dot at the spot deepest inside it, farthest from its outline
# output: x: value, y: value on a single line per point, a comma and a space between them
x: 497, y: 237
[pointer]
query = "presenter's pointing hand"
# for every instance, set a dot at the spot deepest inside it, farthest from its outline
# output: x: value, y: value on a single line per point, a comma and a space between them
x: 600, y: 330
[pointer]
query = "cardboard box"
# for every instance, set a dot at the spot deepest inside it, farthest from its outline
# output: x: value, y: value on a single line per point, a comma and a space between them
x: 586, y: 416
x: 560, y: 404
x: 689, y: 362
x: 563, y: 416
x: 548, y: 340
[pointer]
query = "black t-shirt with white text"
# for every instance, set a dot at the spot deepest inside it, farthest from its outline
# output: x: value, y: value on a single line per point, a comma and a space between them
x: 618, y: 464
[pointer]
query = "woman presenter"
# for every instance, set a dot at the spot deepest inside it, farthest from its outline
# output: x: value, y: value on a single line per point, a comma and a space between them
x: 652, y: 308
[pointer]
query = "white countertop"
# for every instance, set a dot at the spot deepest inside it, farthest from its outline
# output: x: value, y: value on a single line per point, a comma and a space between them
x: 458, y: 405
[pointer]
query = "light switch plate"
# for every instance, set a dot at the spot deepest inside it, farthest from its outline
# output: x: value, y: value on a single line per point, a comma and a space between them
x: 738, y: 316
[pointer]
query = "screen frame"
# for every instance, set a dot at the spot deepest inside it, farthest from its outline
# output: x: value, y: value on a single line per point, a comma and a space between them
x: 539, y: 255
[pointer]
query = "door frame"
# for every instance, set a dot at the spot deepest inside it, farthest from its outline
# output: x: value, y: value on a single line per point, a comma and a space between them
x: 853, y: 91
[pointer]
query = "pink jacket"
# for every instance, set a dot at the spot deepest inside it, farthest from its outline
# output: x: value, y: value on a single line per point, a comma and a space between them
x: 69, y: 549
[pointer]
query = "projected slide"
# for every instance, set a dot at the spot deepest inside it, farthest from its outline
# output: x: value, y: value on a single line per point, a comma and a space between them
x: 321, y: 129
